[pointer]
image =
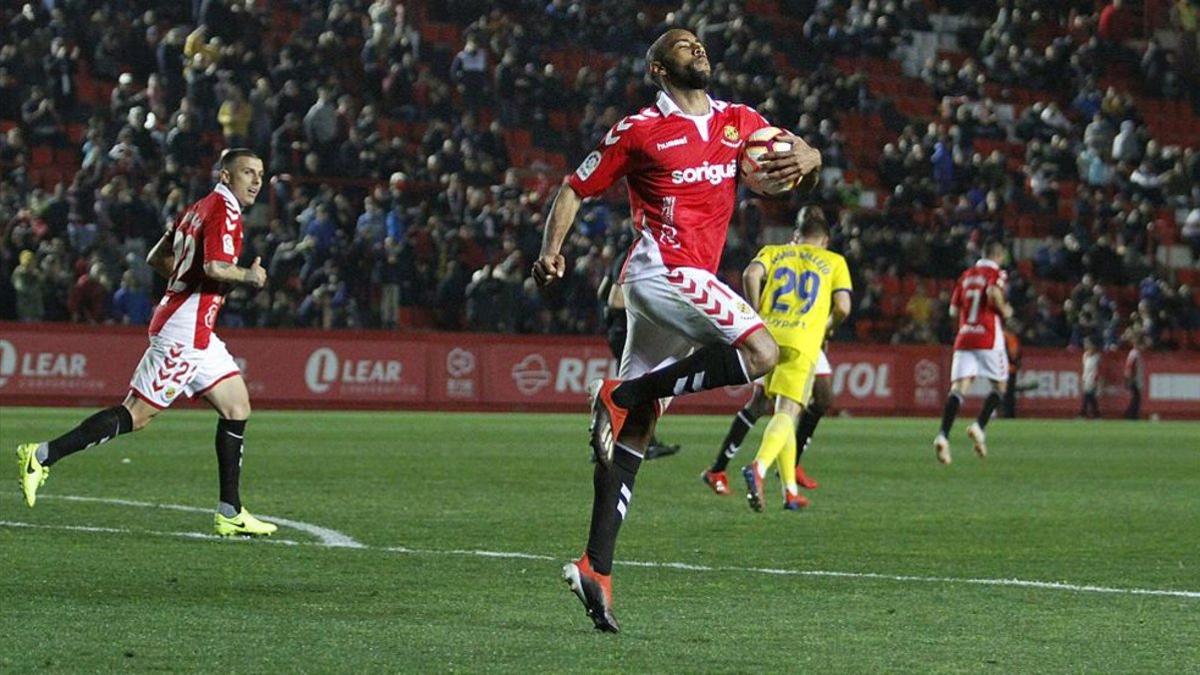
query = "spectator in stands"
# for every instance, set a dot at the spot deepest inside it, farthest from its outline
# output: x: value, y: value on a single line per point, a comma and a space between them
x: 321, y: 128
x: 131, y: 304
x: 234, y: 116
x: 29, y: 284
x: 1126, y: 146
x: 1090, y: 379
x: 88, y: 298
x: 1191, y: 233
x: 468, y: 71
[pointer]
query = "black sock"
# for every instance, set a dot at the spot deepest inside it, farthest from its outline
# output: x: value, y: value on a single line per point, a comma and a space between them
x: 229, y: 459
x: 806, y: 427
x: 741, y: 425
x: 706, y: 368
x: 953, y: 401
x: 989, y: 407
x: 613, y: 488
x: 99, y: 428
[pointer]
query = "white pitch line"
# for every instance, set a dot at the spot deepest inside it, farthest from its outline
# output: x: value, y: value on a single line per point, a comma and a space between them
x: 125, y: 530
x: 328, y: 537
x: 691, y: 567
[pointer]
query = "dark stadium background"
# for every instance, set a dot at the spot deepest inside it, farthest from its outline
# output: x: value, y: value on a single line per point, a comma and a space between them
x: 413, y: 148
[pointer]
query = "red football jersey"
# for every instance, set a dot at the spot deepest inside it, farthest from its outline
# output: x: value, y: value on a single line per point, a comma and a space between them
x: 682, y: 175
x: 979, y: 324
x: 209, y: 230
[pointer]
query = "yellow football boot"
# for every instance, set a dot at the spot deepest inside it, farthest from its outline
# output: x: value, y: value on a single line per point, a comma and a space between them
x: 242, y: 524
x: 33, y: 474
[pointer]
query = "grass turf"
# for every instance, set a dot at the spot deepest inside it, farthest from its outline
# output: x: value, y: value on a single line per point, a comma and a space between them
x: 1107, y: 504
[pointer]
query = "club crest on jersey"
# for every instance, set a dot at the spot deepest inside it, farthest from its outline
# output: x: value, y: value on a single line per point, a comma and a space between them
x: 588, y: 165
x: 731, y: 136
x: 170, y: 393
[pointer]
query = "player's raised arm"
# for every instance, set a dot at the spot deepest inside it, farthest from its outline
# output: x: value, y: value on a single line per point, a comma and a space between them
x: 551, y: 265
x: 162, y: 256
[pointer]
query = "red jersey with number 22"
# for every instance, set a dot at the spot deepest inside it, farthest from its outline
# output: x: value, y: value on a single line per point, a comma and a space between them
x: 682, y: 175
x: 209, y: 230
x: 979, y: 324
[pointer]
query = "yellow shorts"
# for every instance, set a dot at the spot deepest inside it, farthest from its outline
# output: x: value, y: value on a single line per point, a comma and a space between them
x: 793, y: 377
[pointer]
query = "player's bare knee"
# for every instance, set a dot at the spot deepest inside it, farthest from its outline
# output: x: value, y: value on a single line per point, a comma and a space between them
x: 235, y: 411
x: 140, y: 412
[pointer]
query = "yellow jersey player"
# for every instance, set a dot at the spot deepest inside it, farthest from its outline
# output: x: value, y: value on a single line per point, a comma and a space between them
x: 801, y: 290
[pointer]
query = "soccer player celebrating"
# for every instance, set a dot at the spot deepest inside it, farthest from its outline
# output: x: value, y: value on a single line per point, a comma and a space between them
x: 978, y: 302
x: 802, y: 290
x: 688, y: 331
x: 198, y: 256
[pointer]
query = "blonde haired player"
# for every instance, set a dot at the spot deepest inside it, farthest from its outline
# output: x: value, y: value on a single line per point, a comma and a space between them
x: 801, y: 289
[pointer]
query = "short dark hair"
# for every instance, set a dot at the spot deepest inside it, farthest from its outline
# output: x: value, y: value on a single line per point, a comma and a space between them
x: 811, y: 223
x: 659, y: 49
x: 232, y: 155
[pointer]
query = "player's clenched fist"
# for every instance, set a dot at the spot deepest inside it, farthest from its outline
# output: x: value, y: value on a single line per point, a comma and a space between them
x: 258, y: 275
x: 548, y: 269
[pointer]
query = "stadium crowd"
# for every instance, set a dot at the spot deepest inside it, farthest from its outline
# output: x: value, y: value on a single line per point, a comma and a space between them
x: 411, y: 164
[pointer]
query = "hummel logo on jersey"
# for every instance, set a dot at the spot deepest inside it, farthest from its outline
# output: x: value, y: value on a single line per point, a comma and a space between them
x: 673, y: 143
x: 713, y: 173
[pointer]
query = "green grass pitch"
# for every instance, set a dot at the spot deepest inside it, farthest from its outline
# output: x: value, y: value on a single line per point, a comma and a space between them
x: 1102, y: 508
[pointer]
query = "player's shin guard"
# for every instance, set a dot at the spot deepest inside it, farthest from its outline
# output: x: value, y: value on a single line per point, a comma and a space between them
x: 806, y: 428
x: 230, y: 435
x: 99, y: 428
x: 741, y: 425
x: 707, y: 368
x: 989, y: 406
x: 950, y: 411
x: 613, y: 490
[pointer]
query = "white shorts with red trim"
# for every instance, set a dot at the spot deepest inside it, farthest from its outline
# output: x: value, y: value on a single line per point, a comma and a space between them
x: 169, y: 369
x: 991, y: 364
x: 673, y: 314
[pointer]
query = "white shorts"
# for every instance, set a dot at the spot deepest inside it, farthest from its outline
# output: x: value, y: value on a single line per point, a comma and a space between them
x: 991, y: 364
x: 823, y: 368
x: 168, y: 369
x: 673, y: 314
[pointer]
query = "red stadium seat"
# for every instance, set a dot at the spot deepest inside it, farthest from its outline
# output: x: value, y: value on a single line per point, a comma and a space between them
x: 41, y: 156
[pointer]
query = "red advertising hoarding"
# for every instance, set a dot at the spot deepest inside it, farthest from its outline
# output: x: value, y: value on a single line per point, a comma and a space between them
x: 62, y: 364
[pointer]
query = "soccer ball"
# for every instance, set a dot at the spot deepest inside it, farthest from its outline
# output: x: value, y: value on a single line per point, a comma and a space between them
x: 766, y: 139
